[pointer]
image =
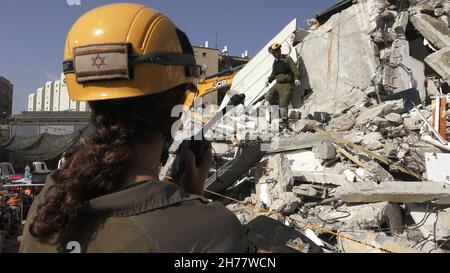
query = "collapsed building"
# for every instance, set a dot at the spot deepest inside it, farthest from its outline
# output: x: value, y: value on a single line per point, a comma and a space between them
x: 364, y: 164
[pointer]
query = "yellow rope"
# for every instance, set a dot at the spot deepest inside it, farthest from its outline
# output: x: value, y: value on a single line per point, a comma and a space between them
x: 307, y: 224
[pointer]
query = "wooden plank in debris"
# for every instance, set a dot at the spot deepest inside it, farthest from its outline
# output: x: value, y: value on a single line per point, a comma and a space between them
x: 397, y: 192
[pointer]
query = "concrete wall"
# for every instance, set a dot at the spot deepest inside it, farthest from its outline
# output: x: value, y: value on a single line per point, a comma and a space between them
x: 338, y: 60
x: 208, y: 57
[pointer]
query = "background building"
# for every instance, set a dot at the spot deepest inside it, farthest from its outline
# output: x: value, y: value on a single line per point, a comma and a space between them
x: 208, y: 58
x: 216, y: 61
x: 54, y: 97
x: 6, y: 98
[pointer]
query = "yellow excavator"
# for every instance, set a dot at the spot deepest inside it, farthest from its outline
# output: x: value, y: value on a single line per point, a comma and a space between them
x: 212, y: 89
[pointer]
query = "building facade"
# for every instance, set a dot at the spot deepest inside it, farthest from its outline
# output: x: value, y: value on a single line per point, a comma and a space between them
x: 54, y: 97
x: 6, y: 99
x: 208, y: 58
x: 215, y: 61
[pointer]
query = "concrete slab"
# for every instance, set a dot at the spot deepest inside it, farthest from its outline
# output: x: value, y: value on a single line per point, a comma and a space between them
x: 246, y: 157
x: 440, y: 62
x: 293, y: 143
x: 344, y: 42
x: 397, y: 192
x: 378, y: 240
x: 274, y: 179
x: 432, y: 29
x: 437, y: 167
x: 320, y: 178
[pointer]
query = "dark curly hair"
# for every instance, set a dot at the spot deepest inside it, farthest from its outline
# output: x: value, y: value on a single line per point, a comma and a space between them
x: 99, y: 167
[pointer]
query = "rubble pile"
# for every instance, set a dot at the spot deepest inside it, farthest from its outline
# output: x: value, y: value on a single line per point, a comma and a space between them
x: 363, y: 165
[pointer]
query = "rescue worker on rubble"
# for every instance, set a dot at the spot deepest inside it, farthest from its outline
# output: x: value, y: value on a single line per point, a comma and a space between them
x: 287, y: 75
x: 108, y: 198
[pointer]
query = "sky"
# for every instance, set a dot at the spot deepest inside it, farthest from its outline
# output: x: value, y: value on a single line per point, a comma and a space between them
x: 33, y: 32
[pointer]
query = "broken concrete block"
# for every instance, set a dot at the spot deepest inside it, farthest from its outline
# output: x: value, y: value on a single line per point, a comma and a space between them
x: 418, y: 71
x: 337, y: 85
x: 287, y: 203
x: 350, y: 176
x: 278, y: 205
x: 304, y: 162
x: 432, y: 29
x: 390, y: 149
x: 275, y: 180
x: 381, y: 111
x: 246, y: 157
x: 433, y: 223
x: 401, y: 22
x: 394, y: 118
x: 379, y: 122
x: 379, y: 243
x: 439, y: 12
x: 443, y: 227
x: 395, y: 78
x: 365, y: 216
x: 304, y: 125
x: 355, y: 137
x: 437, y: 165
x: 432, y: 89
x: 325, y: 151
x: 397, y: 192
x: 292, y: 202
x: 305, y: 190
x: 361, y: 173
x: 440, y: 62
x: 373, y: 136
x: 377, y: 173
x: 372, y: 141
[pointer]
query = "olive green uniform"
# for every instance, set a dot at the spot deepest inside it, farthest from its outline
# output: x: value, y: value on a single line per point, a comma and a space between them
x: 152, y: 216
x: 285, y: 72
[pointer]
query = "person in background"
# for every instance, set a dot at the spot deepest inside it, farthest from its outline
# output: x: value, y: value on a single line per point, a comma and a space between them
x: 62, y: 161
x: 287, y: 76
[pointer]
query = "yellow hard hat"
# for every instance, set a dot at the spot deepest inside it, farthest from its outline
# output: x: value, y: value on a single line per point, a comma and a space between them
x: 273, y: 47
x: 126, y: 50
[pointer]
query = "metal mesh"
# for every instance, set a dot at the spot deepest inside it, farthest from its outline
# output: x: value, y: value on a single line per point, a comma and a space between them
x: 44, y: 147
